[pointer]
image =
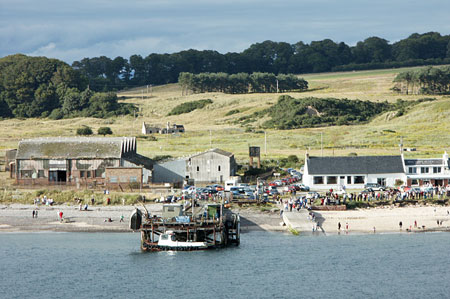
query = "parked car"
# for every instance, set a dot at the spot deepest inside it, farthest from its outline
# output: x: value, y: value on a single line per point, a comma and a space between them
x: 303, y: 187
x: 188, y: 190
x: 374, y: 186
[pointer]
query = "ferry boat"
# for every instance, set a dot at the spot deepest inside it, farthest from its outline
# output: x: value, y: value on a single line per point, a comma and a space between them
x: 181, y: 228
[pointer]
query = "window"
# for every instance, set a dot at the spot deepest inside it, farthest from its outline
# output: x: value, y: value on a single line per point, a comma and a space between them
x: 424, y: 170
x: 198, y: 168
x: 41, y: 174
x: 436, y: 169
x: 381, y: 181
x: 412, y: 170
x: 88, y: 174
x: 82, y: 173
x: 414, y: 182
x: 358, y: 179
x: 99, y: 172
x: 349, y: 180
x: 113, y: 179
x: 318, y: 180
x: 133, y: 179
x: 331, y: 179
x: 25, y: 173
x: 218, y: 168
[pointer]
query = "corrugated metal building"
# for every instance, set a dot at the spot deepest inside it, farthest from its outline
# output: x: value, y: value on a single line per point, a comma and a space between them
x: 73, y: 160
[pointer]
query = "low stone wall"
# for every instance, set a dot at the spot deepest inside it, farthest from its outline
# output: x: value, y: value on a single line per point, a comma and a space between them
x: 329, y: 208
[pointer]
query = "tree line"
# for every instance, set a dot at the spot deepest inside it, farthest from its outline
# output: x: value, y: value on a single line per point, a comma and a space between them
x: 104, y: 74
x: 240, y: 83
x: 429, y: 80
x: 290, y: 113
x: 42, y: 87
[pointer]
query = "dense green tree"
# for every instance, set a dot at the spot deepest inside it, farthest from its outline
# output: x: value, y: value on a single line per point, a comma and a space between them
x: 41, y: 87
x: 104, y: 131
x: 84, y: 131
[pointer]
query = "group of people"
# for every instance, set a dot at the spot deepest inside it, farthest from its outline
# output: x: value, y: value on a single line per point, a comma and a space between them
x: 44, y: 201
x: 294, y: 203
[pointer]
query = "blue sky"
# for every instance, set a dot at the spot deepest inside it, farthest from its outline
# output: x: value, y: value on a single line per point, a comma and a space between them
x: 73, y: 29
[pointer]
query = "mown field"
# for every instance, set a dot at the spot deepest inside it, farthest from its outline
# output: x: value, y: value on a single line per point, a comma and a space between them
x: 425, y: 126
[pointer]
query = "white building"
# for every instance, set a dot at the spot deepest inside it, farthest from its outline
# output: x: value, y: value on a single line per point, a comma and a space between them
x: 433, y: 172
x: 353, y: 172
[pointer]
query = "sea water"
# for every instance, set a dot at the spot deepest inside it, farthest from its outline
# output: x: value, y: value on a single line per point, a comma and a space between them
x: 265, y: 265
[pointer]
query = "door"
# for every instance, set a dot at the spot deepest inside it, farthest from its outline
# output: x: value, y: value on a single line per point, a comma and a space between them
x: 342, y: 180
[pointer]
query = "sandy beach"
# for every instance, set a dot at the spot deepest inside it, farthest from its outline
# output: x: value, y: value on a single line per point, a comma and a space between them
x: 386, y: 219
x: 18, y: 218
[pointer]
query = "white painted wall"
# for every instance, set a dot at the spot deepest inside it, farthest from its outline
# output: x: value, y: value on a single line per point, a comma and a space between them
x: 368, y: 178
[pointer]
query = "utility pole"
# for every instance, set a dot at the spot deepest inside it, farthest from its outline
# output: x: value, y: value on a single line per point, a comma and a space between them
x: 401, y: 145
x: 277, y: 87
x: 265, y: 143
x: 321, y: 143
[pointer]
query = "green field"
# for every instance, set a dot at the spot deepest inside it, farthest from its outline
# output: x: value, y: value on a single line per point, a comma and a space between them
x: 425, y: 126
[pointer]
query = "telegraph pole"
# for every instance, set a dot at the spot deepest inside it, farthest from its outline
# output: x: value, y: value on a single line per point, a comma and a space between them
x: 321, y: 143
x: 265, y: 143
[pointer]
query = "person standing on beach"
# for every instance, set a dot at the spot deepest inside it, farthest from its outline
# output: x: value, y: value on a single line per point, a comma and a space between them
x: 33, y: 213
x: 400, y: 224
x: 339, y: 226
x: 346, y: 226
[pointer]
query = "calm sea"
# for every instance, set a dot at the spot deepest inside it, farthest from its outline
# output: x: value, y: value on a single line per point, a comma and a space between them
x: 266, y: 265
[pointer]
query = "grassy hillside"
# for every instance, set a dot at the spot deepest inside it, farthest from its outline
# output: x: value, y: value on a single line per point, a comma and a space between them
x: 425, y: 126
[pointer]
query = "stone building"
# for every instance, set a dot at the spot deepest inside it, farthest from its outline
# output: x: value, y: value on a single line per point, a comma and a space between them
x: 79, y: 160
x: 169, y: 129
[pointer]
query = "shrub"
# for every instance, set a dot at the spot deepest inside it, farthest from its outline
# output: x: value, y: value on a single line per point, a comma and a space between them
x: 84, y: 131
x: 231, y: 112
x: 56, y: 114
x: 189, y: 106
x: 104, y: 131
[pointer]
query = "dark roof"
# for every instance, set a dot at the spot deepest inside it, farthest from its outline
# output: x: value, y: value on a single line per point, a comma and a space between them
x: 412, y: 162
x: 140, y: 160
x: 75, y: 147
x: 355, y: 165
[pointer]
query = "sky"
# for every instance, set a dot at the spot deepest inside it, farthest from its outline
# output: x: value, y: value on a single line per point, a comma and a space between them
x: 71, y: 30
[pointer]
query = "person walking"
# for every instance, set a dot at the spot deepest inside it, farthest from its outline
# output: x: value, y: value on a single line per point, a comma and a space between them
x: 33, y: 213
